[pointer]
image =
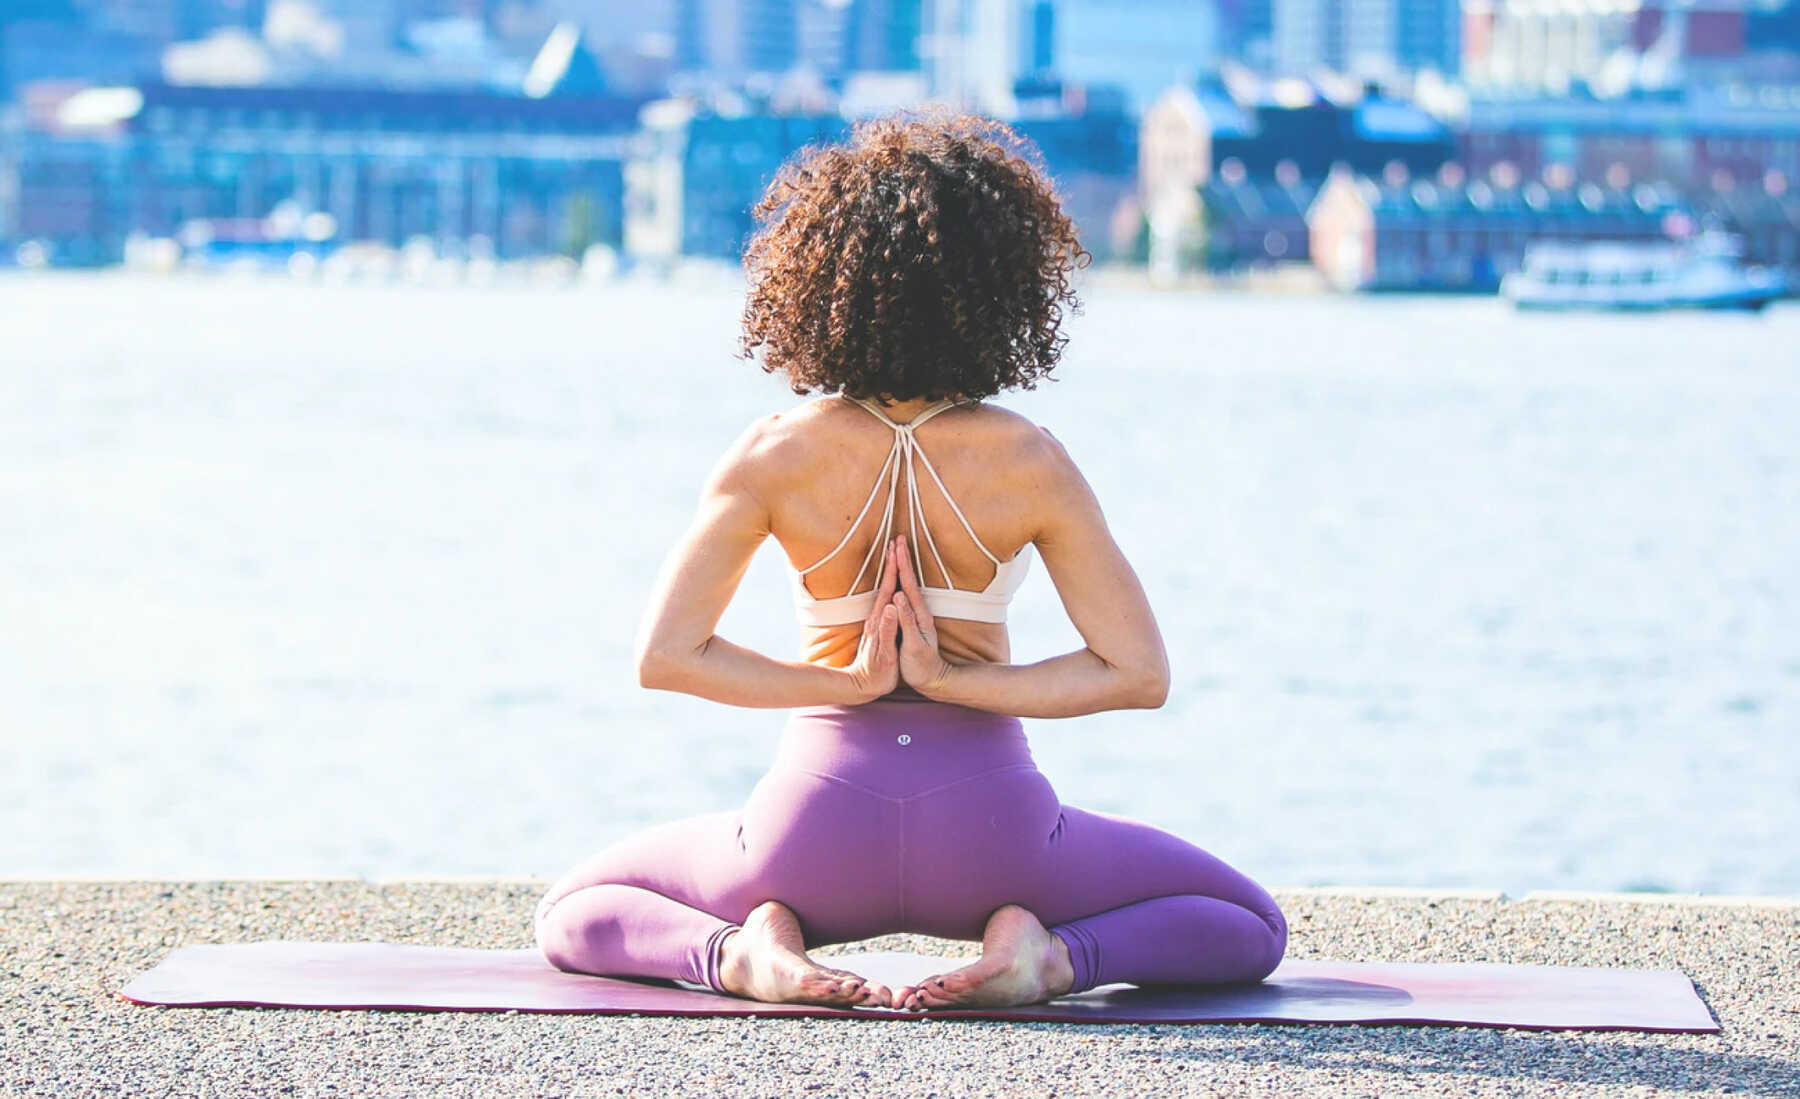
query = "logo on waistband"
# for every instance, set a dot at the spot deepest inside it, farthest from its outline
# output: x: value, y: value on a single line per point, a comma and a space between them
x: 903, y: 738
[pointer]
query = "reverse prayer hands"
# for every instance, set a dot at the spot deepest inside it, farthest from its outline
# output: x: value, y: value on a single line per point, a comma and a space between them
x: 876, y: 669
x: 922, y: 666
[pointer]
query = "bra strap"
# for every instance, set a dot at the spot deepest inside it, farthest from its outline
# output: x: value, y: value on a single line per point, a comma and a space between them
x: 904, y: 452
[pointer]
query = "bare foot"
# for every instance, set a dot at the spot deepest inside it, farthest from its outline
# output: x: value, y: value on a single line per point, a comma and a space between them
x: 1020, y: 963
x: 766, y: 960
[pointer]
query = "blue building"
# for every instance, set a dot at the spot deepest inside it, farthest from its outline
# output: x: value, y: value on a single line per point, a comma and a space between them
x: 696, y: 172
x: 1089, y: 143
x: 528, y: 175
x: 1225, y: 174
x: 1465, y: 235
x: 1366, y: 135
x: 44, y: 40
x: 733, y: 38
x: 729, y: 163
x: 1140, y: 45
x: 883, y: 35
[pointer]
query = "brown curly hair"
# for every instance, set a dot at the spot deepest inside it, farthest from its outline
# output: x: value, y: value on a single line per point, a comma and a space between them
x: 927, y: 257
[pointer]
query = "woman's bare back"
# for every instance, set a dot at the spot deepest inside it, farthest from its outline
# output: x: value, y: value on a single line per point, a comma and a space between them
x: 824, y: 457
x: 804, y: 475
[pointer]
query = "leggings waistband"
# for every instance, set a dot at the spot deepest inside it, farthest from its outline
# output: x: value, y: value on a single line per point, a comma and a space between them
x: 900, y: 746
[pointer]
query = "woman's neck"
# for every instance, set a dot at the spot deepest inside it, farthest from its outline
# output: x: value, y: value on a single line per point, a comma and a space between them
x: 903, y: 411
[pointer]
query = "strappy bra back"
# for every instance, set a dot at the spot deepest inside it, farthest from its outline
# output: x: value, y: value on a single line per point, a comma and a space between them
x: 985, y: 605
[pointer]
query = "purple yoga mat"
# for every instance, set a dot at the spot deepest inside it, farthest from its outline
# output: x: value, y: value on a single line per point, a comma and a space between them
x: 428, y: 978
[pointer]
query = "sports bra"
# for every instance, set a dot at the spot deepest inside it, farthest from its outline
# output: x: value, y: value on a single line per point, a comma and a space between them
x: 986, y: 605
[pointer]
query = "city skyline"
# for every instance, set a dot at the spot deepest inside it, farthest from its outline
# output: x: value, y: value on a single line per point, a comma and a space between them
x: 498, y: 130
x: 968, y: 52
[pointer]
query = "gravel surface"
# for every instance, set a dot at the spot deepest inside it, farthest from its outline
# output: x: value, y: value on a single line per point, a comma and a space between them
x: 66, y: 947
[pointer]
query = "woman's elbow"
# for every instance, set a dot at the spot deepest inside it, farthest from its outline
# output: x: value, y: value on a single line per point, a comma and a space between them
x: 657, y: 669
x: 1142, y: 686
x: 1150, y: 687
x: 1150, y: 690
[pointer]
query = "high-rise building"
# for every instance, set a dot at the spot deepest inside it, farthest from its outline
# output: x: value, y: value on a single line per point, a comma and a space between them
x: 769, y: 35
x: 883, y: 35
x: 1773, y: 25
x: 734, y: 38
x: 823, y: 29
x: 1040, y: 36
x: 1142, y: 46
x: 1428, y: 35
x: 59, y: 40
x: 971, y: 52
x: 1522, y: 46
x: 1366, y: 37
x: 1244, y: 30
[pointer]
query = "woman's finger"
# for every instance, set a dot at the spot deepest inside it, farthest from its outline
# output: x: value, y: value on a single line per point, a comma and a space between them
x: 916, y: 622
x: 916, y: 637
x: 909, y: 580
x: 909, y: 622
x: 888, y: 579
x: 884, y: 636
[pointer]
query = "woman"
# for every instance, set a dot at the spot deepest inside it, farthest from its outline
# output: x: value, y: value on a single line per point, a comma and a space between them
x: 908, y: 275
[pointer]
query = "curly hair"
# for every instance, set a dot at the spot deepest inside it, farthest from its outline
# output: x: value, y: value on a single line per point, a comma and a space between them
x: 927, y: 257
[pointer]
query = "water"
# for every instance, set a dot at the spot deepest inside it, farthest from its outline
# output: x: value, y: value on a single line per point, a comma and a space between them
x: 343, y: 580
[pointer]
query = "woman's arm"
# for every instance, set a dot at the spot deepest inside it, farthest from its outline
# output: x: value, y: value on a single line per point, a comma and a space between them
x: 677, y: 649
x: 1122, y: 666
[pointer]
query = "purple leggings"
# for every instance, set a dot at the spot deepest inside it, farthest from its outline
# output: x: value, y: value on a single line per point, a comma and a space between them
x: 911, y: 815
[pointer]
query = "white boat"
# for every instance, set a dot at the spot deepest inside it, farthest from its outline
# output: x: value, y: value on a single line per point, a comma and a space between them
x: 1702, y: 273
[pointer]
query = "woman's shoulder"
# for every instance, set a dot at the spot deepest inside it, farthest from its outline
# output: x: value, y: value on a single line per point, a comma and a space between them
x: 790, y: 441
x: 1017, y: 439
x: 791, y: 434
x: 777, y: 448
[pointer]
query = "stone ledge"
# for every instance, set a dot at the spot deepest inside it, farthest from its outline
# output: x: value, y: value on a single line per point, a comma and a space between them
x: 68, y: 946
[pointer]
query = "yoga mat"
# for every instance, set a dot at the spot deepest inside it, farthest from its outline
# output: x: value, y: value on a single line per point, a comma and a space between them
x: 427, y: 978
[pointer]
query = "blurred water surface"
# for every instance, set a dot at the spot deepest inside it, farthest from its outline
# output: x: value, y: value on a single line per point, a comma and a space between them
x: 343, y: 580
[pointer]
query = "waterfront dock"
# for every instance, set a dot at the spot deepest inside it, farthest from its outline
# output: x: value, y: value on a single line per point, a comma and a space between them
x: 67, y: 946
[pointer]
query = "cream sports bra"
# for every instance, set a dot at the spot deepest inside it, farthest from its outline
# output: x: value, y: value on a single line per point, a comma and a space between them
x: 986, y: 605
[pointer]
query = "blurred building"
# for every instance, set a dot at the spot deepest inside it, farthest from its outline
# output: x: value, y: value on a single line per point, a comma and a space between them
x: 1531, y: 47
x: 1142, y: 46
x: 1376, y: 38
x: 1464, y: 235
x: 1225, y: 166
x: 1255, y: 132
x: 725, y: 41
x: 1040, y: 37
x: 1701, y: 139
x: 730, y: 39
x: 697, y: 169
x: 823, y: 30
x: 1773, y: 26
x: 971, y: 52
x: 1765, y: 218
x: 1194, y: 128
x: 51, y: 40
x: 513, y: 174
x: 694, y: 175
x: 1253, y: 223
x: 1089, y: 143
x: 884, y: 35
x: 1246, y: 29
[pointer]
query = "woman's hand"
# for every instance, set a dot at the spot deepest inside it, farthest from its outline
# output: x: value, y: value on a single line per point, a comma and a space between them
x: 921, y: 665
x: 876, y: 669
